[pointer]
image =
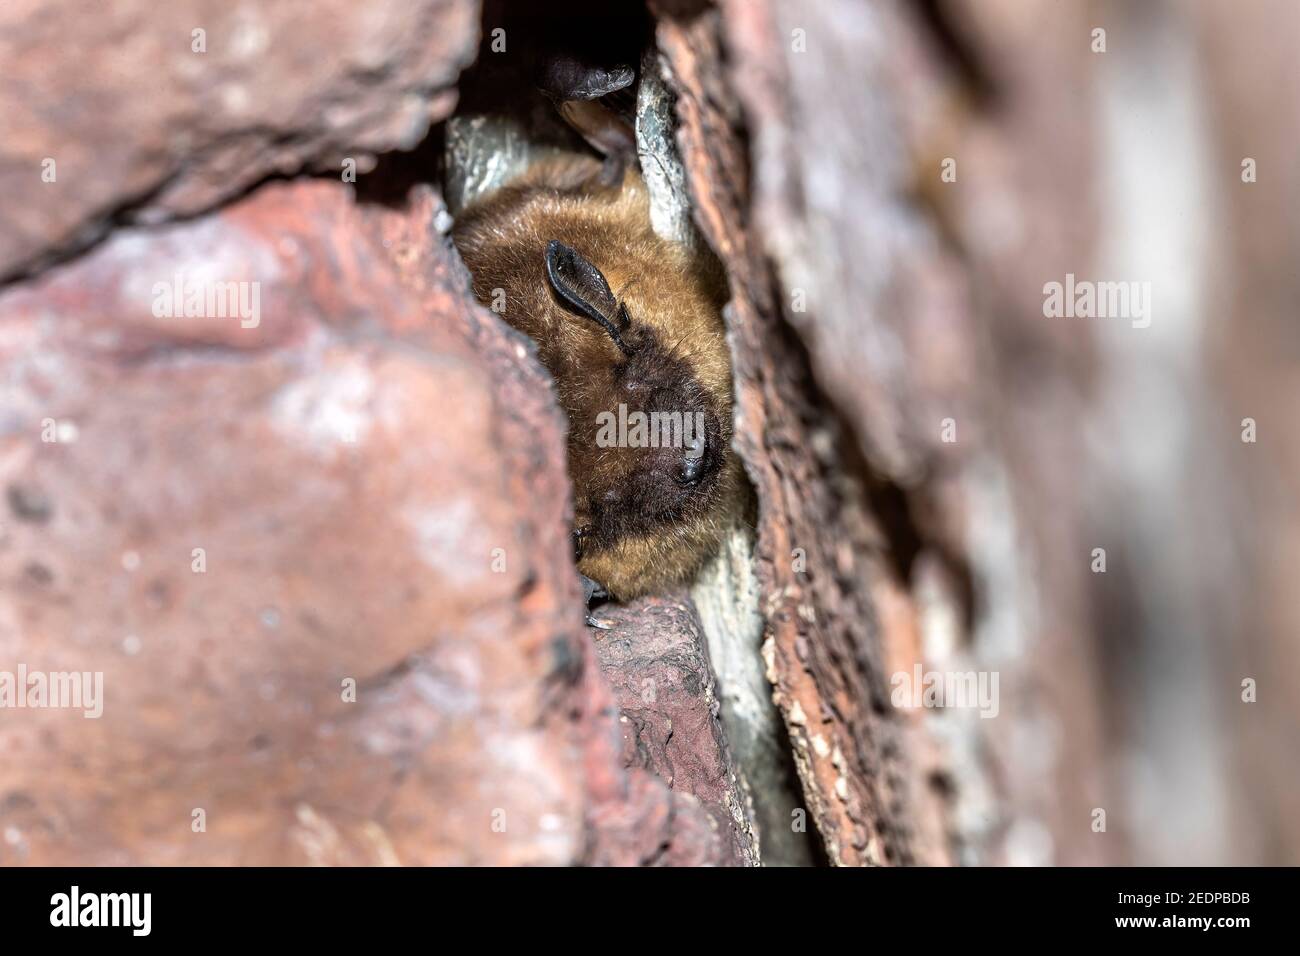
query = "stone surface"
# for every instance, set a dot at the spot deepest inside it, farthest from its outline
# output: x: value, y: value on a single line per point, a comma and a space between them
x: 876, y: 301
x: 373, y: 473
x: 634, y: 818
x: 655, y: 660
x: 347, y: 468
x: 318, y: 548
x: 141, y: 125
x: 817, y: 542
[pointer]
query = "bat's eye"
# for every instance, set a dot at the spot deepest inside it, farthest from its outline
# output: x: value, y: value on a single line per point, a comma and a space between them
x: 691, y: 469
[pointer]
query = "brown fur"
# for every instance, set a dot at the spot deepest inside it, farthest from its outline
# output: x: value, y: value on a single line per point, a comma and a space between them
x: 637, y: 529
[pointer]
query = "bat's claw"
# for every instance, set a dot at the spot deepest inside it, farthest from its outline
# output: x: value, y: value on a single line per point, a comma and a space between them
x: 566, y: 77
x: 599, y: 101
x: 591, y: 591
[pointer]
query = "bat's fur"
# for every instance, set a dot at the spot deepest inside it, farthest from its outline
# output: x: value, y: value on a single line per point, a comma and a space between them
x: 637, y: 528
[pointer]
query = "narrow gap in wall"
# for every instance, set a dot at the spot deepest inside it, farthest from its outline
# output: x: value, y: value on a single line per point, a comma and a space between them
x: 501, y: 125
x: 394, y: 174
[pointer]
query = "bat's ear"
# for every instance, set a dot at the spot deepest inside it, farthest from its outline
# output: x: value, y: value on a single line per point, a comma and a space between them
x: 583, y: 288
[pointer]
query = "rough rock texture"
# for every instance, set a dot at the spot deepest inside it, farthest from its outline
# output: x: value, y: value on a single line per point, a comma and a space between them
x: 318, y: 549
x: 655, y: 659
x: 945, y: 461
x: 353, y: 470
x: 142, y: 125
x: 636, y: 817
x: 331, y: 463
x: 817, y: 543
x: 873, y: 529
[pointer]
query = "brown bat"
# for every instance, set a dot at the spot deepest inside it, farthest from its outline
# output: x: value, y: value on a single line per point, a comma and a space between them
x: 626, y: 323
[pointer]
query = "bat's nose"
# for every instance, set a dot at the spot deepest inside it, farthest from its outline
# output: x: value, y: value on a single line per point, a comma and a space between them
x: 691, y: 469
x: 691, y: 472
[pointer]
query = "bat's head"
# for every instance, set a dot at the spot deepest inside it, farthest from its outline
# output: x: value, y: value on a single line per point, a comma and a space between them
x: 650, y: 426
